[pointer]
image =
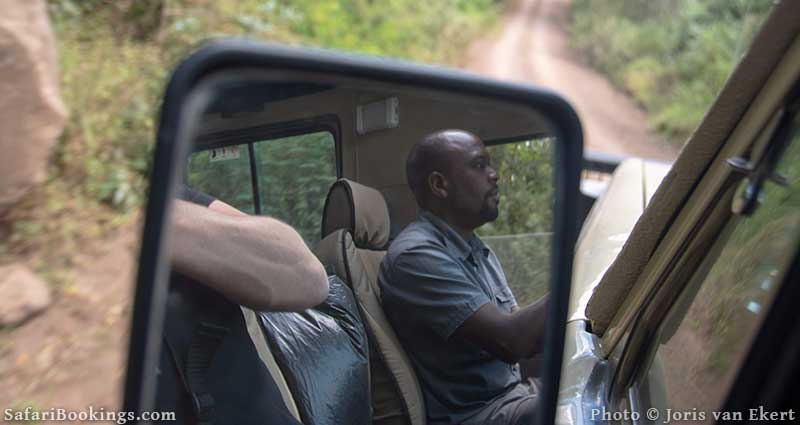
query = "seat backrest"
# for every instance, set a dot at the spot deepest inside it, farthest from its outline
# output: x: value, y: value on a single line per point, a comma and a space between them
x: 323, y: 353
x: 355, y: 235
x: 260, y: 343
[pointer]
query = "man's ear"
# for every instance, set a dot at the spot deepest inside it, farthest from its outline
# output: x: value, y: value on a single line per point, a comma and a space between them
x: 438, y: 185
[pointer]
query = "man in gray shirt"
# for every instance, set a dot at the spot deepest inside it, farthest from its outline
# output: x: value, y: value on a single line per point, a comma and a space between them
x: 446, y: 295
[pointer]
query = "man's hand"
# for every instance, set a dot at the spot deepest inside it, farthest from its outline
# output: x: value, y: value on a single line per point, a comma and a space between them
x: 258, y: 262
x: 510, y: 337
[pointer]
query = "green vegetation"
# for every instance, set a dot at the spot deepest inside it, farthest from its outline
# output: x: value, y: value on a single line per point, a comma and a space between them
x: 526, y: 263
x: 294, y: 175
x: 115, y: 59
x: 522, y: 234
x: 227, y: 180
x: 753, y: 262
x: 673, y: 56
x: 724, y: 303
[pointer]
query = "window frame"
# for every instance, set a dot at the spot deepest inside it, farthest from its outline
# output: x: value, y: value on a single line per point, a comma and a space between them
x: 551, y: 225
x: 526, y: 138
x: 635, y: 357
x: 328, y: 123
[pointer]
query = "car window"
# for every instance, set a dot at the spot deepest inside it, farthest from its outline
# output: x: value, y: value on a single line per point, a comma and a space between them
x: 287, y: 178
x: 522, y: 234
x: 225, y: 174
x: 708, y: 331
x: 294, y: 175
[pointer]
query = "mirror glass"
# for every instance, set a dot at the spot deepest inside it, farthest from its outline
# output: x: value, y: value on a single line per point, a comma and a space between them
x: 274, y: 144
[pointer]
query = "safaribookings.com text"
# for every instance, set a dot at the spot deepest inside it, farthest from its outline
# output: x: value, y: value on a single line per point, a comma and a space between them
x: 92, y: 414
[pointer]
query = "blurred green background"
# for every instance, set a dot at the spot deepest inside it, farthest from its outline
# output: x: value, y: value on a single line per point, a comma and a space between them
x: 672, y: 56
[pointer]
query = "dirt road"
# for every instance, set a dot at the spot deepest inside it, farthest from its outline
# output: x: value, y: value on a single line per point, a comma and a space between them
x: 532, y: 47
x: 73, y: 355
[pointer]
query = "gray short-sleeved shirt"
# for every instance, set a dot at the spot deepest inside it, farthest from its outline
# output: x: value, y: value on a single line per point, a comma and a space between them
x: 431, y: 281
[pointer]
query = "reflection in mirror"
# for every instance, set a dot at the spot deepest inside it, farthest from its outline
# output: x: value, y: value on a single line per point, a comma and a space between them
x: 522, y: 233
x: 283, y: 301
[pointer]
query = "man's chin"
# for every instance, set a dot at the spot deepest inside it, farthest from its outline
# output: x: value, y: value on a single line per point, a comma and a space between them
x: 489, y: 215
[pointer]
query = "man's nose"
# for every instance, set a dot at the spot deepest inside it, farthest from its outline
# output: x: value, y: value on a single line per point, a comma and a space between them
x: 493, y: 176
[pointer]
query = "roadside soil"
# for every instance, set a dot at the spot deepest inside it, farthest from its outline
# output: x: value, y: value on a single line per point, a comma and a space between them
x: 73, y: 355
x: 532, y: 46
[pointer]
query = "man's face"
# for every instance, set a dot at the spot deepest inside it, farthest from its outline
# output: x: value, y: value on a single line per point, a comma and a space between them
x: 473, y: 192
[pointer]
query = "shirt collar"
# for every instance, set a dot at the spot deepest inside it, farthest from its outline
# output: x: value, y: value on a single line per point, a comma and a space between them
x: 451, y: 238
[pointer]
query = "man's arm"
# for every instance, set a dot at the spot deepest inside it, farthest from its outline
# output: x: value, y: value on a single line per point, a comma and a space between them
x: 258, y: 262
x: 224, y: 208
x: 423, y: 279
x: 510, y: 337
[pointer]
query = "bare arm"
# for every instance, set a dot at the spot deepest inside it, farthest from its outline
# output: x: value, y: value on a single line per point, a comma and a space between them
x: 510, y: 337
x: 258, y: 262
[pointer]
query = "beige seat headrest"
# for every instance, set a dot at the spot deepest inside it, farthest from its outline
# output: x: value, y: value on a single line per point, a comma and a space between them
x: 359, y: 209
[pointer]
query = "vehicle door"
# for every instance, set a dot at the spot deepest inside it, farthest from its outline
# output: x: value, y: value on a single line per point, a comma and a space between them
x: 691, y: 362
x: 673, y: 320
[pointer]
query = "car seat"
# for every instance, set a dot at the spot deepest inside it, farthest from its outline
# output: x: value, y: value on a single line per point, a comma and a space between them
x: 355, y: 236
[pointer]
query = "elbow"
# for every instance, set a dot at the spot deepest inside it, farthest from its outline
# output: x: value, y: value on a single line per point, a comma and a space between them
x: 317, y: 287
x: 516, y: 348
x: 311, y: 277
x: 525, y: 349
x: 305, y: 285
x: 509, y: 357
x: 509, y: 350
x: 311, y: 281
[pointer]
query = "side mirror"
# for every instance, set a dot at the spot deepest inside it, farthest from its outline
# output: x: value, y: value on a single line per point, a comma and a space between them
x: 255, y: 102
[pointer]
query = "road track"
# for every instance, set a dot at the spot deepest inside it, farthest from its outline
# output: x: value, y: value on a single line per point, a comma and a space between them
x: 532, y: 46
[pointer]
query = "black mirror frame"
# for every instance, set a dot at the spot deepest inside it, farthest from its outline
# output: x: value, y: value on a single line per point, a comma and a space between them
x: 151, y: 289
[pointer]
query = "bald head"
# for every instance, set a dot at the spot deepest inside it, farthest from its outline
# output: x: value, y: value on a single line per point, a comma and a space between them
x: 433, y: 153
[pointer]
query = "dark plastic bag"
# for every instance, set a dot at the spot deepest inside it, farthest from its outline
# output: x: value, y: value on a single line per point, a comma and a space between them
x: 324, y: 356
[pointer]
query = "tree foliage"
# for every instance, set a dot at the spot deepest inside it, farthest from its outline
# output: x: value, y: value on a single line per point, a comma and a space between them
x: 296, y: 175
x: 293, y: 174
x: 521, y: 235
x: 673, y: 56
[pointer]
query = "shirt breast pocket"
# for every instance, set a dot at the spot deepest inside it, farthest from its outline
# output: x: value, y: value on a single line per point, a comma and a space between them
x: 505, y: 301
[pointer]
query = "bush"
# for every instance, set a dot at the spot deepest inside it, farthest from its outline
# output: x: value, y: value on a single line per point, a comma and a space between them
x: 522, y: 234
x: 673, y: 56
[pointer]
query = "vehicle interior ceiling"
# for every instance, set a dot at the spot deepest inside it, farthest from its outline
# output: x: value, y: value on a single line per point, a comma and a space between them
x: 298, y: 103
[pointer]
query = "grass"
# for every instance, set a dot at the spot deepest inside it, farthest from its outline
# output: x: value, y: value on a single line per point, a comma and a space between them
x: 672, y: 56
